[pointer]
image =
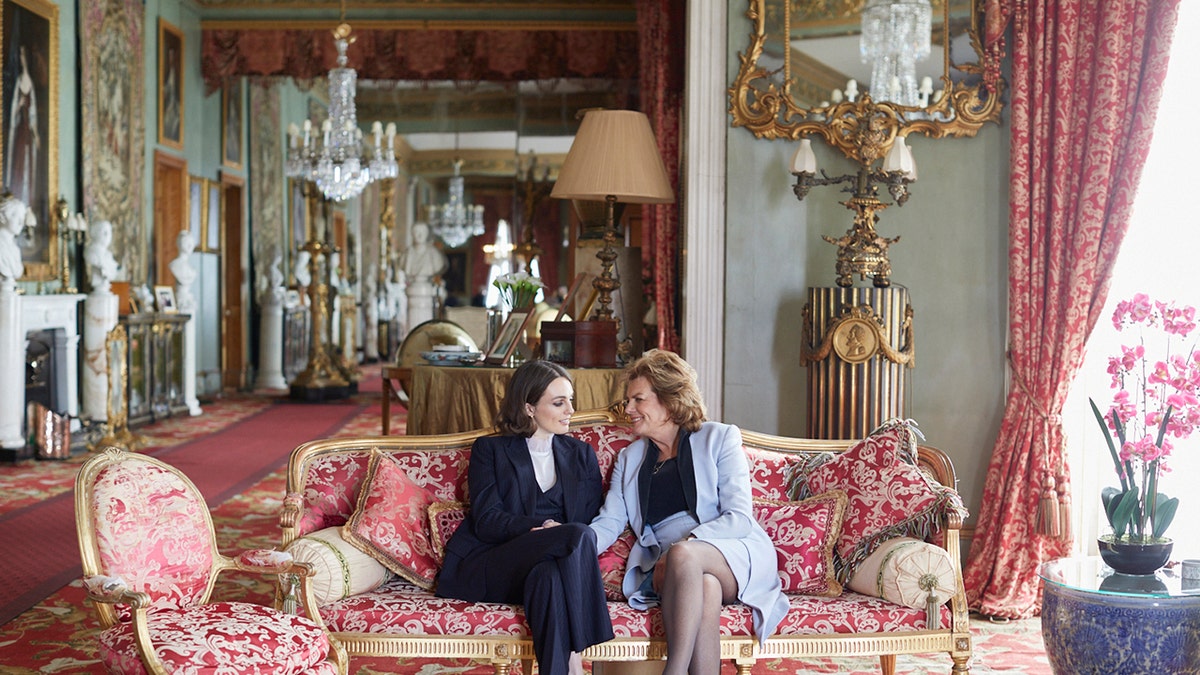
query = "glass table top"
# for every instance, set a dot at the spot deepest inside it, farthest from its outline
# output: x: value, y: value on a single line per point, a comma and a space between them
x: 1092, y: 575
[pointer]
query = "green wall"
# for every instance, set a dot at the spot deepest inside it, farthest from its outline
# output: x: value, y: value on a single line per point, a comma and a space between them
x: 952, y: 257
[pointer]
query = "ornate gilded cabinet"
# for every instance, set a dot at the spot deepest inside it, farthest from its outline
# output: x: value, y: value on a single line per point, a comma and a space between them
x: 155, y: 365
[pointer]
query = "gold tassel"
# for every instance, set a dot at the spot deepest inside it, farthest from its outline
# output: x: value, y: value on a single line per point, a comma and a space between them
x: 1064, y: 507
x: 1047, y: 513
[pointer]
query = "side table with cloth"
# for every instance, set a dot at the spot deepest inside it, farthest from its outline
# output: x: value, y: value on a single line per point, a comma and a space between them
x: 453, y: 399
x: 1095, y: 620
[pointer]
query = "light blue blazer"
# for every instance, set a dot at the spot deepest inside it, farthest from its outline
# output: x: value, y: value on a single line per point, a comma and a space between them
x: 724, y: 509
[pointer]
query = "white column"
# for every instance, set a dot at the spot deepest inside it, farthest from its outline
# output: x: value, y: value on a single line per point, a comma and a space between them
x: 706, y: 123
x: 12, y: 367
x: 185, y: 276
x: 100, y: 313
x: 270, y: 342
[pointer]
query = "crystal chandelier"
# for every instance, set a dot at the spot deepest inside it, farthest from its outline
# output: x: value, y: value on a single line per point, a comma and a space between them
x: 334, y: 160
x: 456, y: 221
x: 895, y: 36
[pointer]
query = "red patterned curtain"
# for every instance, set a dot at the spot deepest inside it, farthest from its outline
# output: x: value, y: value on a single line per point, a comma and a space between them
x: 661, y: 52
x: 1087, y: 77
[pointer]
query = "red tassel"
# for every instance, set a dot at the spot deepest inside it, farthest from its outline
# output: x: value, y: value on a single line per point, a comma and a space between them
x: 1047, y: 513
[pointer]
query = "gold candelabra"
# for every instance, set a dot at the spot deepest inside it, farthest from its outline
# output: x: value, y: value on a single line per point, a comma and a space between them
x: 68, y: 229
x: 862, y: 250
x: 533, y: 191
x: 321, y: 378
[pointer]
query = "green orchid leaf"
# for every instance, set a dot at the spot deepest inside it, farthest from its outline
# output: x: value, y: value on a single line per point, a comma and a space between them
x: 1112, y: 448
x: 1164, y: 513
x: 1126, y: 513
x: 1162, y: 428
x: 1110, y: 497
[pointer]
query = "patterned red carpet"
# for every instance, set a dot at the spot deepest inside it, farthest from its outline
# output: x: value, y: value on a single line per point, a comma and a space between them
x: 58, y: 633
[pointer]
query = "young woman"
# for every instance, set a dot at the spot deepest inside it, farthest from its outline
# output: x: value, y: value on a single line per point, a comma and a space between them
x: 533, y: 491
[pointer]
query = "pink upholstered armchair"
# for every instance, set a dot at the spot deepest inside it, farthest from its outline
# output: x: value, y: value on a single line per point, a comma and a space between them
x: 150, y: 559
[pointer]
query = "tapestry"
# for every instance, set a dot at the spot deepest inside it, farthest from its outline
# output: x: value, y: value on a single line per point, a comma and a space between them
x: 266, y: 179
x: 113, y: 119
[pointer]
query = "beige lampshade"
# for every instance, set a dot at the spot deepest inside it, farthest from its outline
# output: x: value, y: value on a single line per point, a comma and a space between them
x: 614, y: 155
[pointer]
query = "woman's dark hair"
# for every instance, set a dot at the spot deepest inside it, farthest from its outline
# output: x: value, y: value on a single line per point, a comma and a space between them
x: 527, y: 385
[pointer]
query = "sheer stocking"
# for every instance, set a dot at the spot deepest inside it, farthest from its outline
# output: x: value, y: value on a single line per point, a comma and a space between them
x: 695, y: 583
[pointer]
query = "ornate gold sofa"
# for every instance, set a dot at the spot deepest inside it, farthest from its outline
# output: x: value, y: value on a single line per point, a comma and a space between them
x: 400, y: 619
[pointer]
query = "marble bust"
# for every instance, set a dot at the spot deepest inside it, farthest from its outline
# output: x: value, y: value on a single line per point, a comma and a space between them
x: 12, y: 220
x: 101, y: 265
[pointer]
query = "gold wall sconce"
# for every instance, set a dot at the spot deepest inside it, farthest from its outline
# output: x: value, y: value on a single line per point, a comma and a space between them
x: 861, y: 250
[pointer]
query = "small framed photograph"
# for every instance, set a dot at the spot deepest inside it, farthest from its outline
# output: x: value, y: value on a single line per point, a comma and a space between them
x: 164, y: 297
x: 212, y: 217
x: 510, y: 333
x: 170, y: 85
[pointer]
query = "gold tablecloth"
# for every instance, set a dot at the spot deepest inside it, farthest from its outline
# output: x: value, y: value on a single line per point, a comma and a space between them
x: 448, y: 399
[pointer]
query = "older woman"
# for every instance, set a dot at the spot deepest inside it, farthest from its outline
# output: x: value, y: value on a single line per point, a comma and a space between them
x: 684, y: 488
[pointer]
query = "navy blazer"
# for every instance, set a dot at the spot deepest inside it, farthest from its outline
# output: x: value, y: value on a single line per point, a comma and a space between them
x: 503, y: 490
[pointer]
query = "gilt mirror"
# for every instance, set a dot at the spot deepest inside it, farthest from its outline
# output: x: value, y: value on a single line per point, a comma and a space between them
x: 830, y: 68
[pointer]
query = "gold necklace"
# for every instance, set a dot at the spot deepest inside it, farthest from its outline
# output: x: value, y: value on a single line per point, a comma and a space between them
x: 659, y: 465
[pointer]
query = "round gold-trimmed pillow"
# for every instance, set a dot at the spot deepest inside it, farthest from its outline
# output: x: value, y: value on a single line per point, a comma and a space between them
x: 340, y: 569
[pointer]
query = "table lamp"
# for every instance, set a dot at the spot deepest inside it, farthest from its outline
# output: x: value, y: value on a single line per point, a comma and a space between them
x: 614, y: 159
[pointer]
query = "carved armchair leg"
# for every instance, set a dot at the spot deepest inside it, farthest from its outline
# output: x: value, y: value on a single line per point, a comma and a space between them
x: 743, y: 667
x: 962, y: 664
x: 887, y: 664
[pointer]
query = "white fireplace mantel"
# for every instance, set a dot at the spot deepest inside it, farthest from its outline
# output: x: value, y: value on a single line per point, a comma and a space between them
x: 45, y: 312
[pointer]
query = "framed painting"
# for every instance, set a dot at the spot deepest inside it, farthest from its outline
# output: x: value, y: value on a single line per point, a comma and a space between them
x: 231, y: 124
x: 170, y: 85
x: 29, y: 134
x: 196, y: 208
x: 500, y: 350
x: 212, y: 216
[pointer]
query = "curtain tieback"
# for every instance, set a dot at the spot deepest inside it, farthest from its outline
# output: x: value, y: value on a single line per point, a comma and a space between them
x: 1053, y: 518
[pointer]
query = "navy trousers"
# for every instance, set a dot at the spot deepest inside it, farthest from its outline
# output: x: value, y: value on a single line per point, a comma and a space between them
x: 554, y: 574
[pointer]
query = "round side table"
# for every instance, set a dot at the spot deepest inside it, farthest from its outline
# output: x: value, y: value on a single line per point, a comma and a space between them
x: 1095, y: 620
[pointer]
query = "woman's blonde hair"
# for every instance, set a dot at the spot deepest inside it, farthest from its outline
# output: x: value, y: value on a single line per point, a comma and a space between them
x: 673, y: 381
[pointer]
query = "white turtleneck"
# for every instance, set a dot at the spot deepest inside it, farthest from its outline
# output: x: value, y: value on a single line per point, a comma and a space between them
x: 543, y: 460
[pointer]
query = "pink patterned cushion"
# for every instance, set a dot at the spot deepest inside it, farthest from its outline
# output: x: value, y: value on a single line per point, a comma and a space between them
x: 401, y: 608
x: 612, y: 565
x: 804, y: 534
x: 153, y: 530
x: 608, y: 440
x: 888, y: 495
x: 391, y: 523
x: 332, y: 482
x: 444, y: 519
x: 223, y: 637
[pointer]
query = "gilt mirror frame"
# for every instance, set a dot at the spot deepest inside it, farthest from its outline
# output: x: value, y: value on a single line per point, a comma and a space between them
x: 862, y: 130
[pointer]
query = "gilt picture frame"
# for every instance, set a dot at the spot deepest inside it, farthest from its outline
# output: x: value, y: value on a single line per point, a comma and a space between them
x: 170, y: 85
x: 29, y: 49
x: 510, y: 333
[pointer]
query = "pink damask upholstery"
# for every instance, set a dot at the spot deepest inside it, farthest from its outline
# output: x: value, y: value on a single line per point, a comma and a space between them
x: 402, y: 608
x: 804, y: 534
x: 391, y: 523
x: 149, y: 556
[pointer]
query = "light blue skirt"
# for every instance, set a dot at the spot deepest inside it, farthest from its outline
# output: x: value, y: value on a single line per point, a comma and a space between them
x: 671, y: 529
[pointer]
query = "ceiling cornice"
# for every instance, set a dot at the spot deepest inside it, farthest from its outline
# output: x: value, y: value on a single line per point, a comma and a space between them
x: 430, y: 24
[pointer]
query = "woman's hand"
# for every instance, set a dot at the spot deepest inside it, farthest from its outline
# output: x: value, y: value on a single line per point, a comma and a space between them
x: 550, y: 522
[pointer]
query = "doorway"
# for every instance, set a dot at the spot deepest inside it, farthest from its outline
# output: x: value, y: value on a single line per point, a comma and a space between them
x: 234, y: 290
